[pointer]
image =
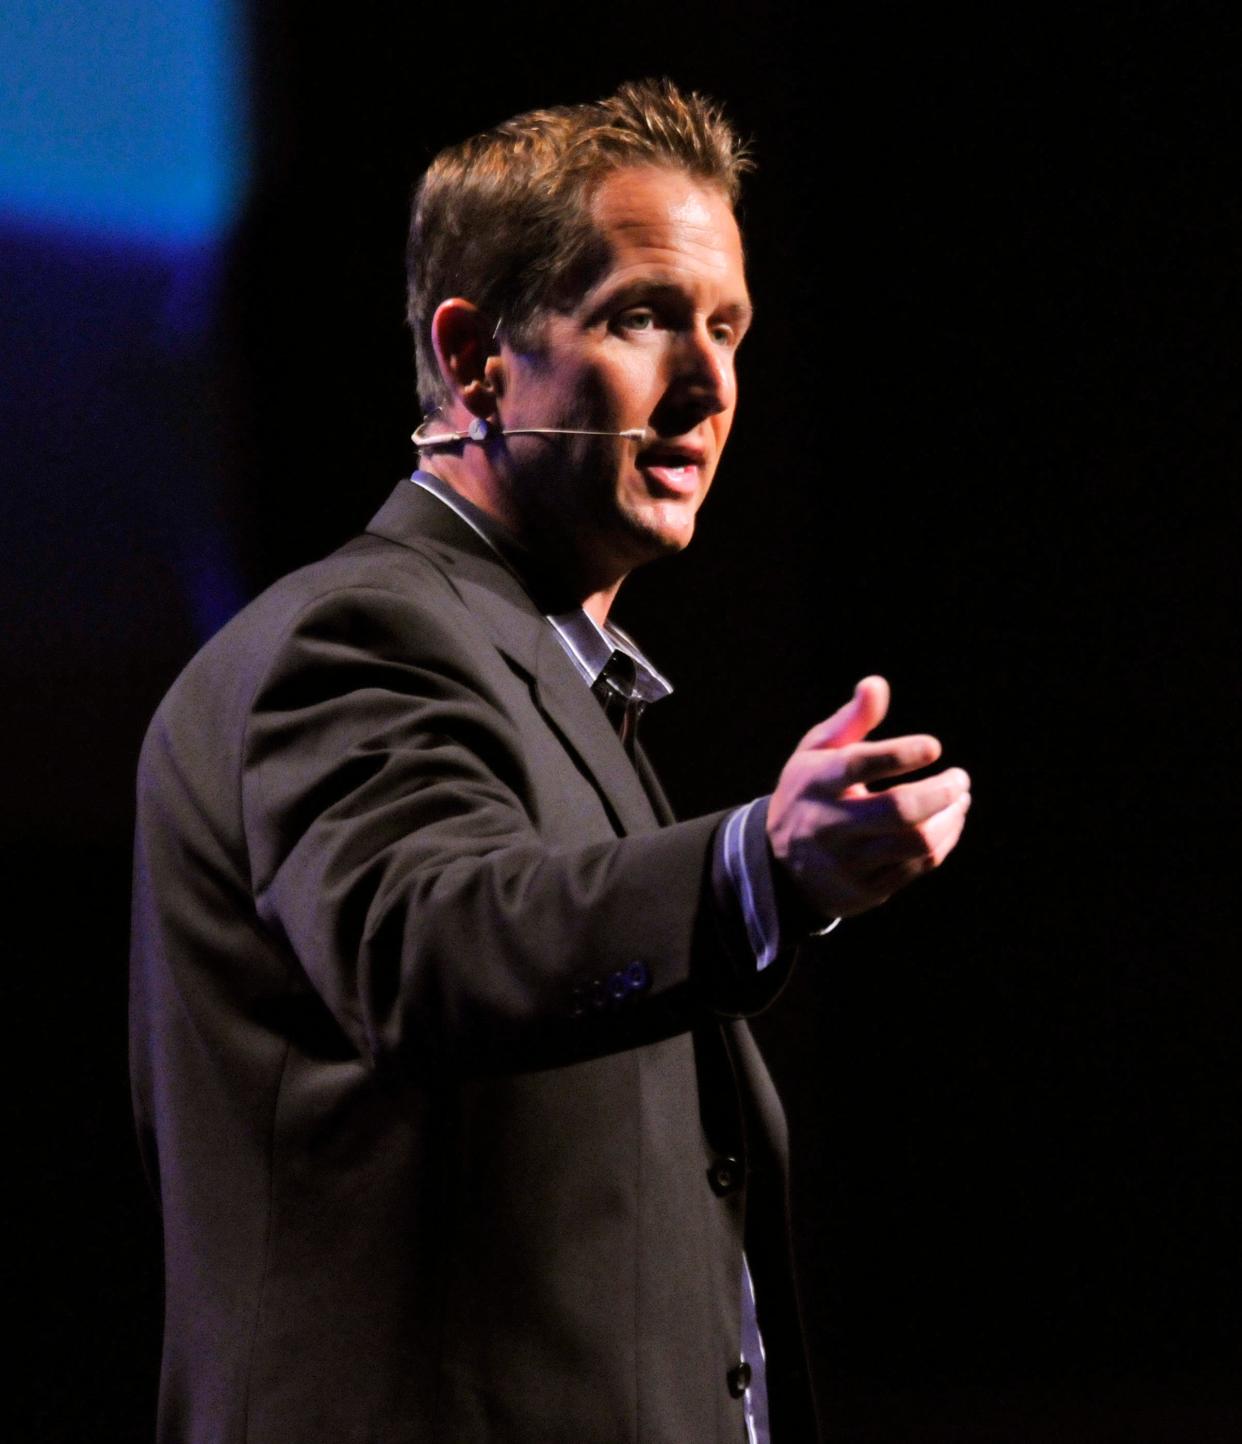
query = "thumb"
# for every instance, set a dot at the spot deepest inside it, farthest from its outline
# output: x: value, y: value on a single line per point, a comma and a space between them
x: 864, y: 711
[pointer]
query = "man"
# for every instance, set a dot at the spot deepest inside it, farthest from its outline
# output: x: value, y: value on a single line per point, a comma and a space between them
x: 437, y: 1052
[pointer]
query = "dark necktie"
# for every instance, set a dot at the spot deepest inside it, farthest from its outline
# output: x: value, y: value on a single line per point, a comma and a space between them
x: 615, y: 688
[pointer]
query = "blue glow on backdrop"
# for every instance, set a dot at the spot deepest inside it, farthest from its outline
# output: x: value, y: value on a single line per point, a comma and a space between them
x: 122, y: 121
x: 124, y: 160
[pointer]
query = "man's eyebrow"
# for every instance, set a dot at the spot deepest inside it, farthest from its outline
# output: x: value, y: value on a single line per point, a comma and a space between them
x: 741, y: 313
x: 662, y: 288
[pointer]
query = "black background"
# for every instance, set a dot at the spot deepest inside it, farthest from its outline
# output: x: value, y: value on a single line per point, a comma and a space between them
x: 988, y: 446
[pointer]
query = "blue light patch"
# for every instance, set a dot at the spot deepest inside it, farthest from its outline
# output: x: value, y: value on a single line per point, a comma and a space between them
x: 122, y: 120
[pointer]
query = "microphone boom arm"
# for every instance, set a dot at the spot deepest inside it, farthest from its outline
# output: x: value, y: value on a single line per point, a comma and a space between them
x: 481, y: 430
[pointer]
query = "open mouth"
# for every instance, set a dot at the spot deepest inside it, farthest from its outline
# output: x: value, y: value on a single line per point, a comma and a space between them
x: 674, y: 470
x: 680, y: 480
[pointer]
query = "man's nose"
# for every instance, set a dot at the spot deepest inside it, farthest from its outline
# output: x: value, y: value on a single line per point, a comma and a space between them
x: 702, y: 371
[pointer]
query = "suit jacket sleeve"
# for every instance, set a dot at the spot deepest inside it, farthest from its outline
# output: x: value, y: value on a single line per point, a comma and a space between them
x: 399, y: 841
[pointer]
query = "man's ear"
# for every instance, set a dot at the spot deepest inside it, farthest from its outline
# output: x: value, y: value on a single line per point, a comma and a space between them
x: 462, y: 337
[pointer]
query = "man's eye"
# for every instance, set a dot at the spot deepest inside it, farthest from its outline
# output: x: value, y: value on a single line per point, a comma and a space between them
x: 724, y: 335
x: 639, y: 319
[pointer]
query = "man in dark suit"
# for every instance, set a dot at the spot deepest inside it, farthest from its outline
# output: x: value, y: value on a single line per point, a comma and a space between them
x: 438, y: 1059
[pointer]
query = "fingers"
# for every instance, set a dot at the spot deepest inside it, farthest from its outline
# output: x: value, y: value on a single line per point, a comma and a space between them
x: 909, y: 804
x: 889, y: 877
x: 847, y: 855
x: 922, y: 847
x: 864, y: 712
x: 863, y: 762
x: 943, y: 831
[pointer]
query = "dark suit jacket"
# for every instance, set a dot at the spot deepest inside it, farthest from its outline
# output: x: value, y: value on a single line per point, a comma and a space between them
x: 435, y: 1158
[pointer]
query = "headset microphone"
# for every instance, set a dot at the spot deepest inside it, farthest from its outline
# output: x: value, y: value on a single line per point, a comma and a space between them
x: 480, y: 430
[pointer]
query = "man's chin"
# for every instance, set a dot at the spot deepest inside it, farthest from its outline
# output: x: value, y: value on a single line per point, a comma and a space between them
x: 662, y: 527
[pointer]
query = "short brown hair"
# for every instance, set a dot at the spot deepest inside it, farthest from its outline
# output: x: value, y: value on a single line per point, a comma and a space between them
x: 503, y: 219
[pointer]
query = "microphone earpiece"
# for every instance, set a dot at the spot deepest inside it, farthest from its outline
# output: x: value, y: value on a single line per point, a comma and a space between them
x: 481, y: 430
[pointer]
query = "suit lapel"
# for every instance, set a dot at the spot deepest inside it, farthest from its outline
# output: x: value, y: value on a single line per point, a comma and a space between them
x: 651, y: 783
x: 492, y: 593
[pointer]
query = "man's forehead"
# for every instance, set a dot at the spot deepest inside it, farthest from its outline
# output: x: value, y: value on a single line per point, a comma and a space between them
x: 665, y: 219
x: 652, y: 194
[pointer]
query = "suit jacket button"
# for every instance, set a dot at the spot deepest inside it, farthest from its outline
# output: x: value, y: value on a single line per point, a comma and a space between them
x: 738, y: 1379
x: 637, y: 976
x: 725, y: 1175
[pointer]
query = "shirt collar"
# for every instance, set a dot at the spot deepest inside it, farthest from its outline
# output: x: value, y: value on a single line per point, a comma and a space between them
x: 587, y: 644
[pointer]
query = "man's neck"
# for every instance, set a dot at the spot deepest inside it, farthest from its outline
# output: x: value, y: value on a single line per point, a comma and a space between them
x: 593, y: 594
x: 599, y: 604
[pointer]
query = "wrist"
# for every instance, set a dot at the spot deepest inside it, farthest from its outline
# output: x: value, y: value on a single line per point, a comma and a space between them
x: 798, y: 920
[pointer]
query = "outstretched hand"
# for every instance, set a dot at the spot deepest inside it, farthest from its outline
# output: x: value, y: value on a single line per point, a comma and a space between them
x: 845, y: 848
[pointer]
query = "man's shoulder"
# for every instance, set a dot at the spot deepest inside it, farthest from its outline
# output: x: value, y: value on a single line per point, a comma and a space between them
x: 370, y: 581
x: 411, y: 553
x: 366, y: 566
